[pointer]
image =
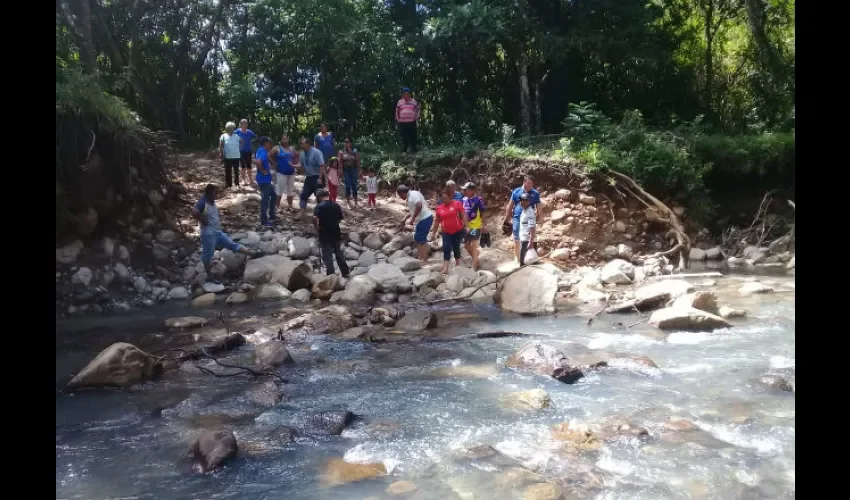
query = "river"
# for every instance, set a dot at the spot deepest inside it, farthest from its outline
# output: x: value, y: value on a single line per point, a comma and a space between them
x: 415, y: 417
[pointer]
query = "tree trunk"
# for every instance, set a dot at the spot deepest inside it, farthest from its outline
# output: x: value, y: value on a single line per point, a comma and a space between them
x: 524, y: 93
x: 708, y: 19
x: 767, y: 52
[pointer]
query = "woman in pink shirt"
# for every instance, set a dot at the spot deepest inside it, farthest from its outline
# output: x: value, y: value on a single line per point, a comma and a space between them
x: 406, y: 115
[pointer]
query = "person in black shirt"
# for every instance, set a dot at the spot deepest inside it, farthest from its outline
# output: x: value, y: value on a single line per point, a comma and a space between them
x: 326, y: 218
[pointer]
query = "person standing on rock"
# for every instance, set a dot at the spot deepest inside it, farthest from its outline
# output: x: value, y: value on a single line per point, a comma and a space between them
x: 264, y: 182
x: 513, y: 210
x: 247, y: 135
x: 314, y: 167
x: 452, y: 218
x: 527, y: 226
x: 474, y: 207
x: 350, y: 160
x: 206, y: 211
x: 406, y: 116
x: 420, y: 216
x: 228, y: 150
x: 326, y: 218
x: 284, y: 158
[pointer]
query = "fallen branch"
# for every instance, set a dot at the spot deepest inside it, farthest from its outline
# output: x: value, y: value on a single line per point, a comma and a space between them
x: 244, y: 369
x: 642, y: 320
x: 600, y: 311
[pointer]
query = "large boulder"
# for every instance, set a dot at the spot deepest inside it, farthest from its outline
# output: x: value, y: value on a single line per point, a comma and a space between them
x: 668, y: 289
x: 299, y: 248
x: 367, y: 258
x: 417, y: 321
x: 271, y: 355
x: 337, y: 472
x: 359, y: 289
x: 686, y: 318
x: 233, y: 261
x: 325, y: 287
x: 389, y: 278
x: 118, y: 365
x: 546, y: 360
x: 212, y: 448
x: 408, y: 264
x: 272, y: 291
x: 330, y: 422
x: 330, y: 320
x: 617, y: 271
x: 373, y: 241
x: 702, y: 300
x: 292, y: 274
x: 531, y: 290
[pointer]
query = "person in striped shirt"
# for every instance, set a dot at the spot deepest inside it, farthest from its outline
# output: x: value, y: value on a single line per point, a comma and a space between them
x: 406, y: 115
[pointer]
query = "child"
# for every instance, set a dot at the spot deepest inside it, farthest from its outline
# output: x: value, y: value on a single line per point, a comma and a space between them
x: 527, y: 226
x: 333, y: 178
x: 371, y: 189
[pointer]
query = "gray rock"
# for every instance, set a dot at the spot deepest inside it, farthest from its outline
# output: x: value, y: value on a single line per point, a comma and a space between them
x: 178, y: 293
x: 122, y: 272
x: 620, y: 226
x: 213, y: 448
x: 367, y: 258
x: 702, y: 300
x: 299, y: 248
x: 726, y: 312
x: 118, y: 365
x: 354, y: 238
x: 83, y: 277
x: 69, y: 253
x: 123, y: 254
x: 389, y: 278
x: 237, y: 298
x: 359, y: 289
x: 697, y: 254
x: 272, y: 291
x: 417, y: 321
x: 754, y: 287
x: 530, y: 290
x: 233, y: 261
x: 610, y: 252
x: 326, y: 286
x: 373, y: 241
x: 292, y: 274
x: 272, y: 354
x: 204, y: 300
x: 213, y: 287
x: 618, y: 271
x: 686, y: 318
x: 351, y: 254
x: 302, y: 295
x: 586, y: 199
x: 140, y: 284
x: 408, y: 264
x: 713, y: 254
x: 167, y: 237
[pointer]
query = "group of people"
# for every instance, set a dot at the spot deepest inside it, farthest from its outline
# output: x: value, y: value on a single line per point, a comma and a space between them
x: 276, y: 166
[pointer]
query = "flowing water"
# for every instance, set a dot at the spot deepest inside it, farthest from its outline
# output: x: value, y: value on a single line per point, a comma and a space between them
x: 420, y: 403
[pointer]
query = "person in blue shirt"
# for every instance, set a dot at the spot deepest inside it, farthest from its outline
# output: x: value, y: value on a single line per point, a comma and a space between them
x: 284, y: 159
x: 247, y: 135
x: 264, y: 182
x: 514, y: 210
x: 324, y: 142
x: 206, y: 211
x: 313, y: 163
x: 450, y: 186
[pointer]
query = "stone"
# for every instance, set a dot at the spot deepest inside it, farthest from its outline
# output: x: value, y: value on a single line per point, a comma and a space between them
x: 620, y: 226
x: 272, y: 291
x: 702, y: 300
x: 354, y: 238
x: 167, y: 237
x: 373, y: 241
x: 389, y: 278
x: 360, y: 289
x: 86, y: 222
x: 792, y: 262
x: 367, y: 258
x: 560, y: 254
x: 83, y: 277
x: 204, y: 300
x: 668, y: 289
x: 123, y: 254
x: 543, y: 491
x: 299, y: 248
x: 140, y: 284
x: 455, y: 283
x: 122, y: 272
x: 727, y: 312
x: 210, y: 287
x: 401, y: 488
x: 185, y: 322
x: 161, y: 252
x: 559, y: 216
x: 754, y: 287
x: 178, y: 293
x: 272, y: 354
x: 417, y: 321
x: 330, y: 422
x: 546, y: 360
x: 292, y: 274
x: 351, y: 254
x: 624, y: 251
x: 233, y: 261
x: 686, y: 318
x: 586, y: 199
x: 69, y: 253
x: 713, y: 254
x: 610, y: 252
x: 236, y: 298
x: 326, y: 286
x: 407, y: 264
x: 267, y: 394
x: 337, y: 472
x: 119, y: 365
x: 329, y: 320
x: 697, y: 254
x: 213, y: 448
x: 535, y: 399
x: 302, y: 295
x: 531, y: 290
x: 775, y: 382
x: 577, y: 437
x: 618, y: 272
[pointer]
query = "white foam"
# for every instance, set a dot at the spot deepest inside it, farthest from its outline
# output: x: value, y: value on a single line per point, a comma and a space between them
x: 734, y: 436
x: 689, y: 338
x: 694, y: 368
x: 617, y: 467
x: 782, y: 362
x: 366, y: 453
x: 604, y: 340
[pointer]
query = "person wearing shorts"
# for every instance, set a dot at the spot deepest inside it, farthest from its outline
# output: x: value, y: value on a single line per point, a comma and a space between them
x: 474, y: 207
x: 513, y: 210
x: 206, y: 212
x: 247, y: 135
x: 284, y: 158
x: 452, y: 219
x: 420, y: 216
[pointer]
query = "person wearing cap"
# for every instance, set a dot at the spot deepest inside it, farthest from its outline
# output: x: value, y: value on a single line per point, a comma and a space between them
x: 246, y: 135
x: 326, y: 218
x: 452, y: 219
x: 406, y: 116
x: 527, y: 226
x: 313, y: 163
x: 420, y: 216
x: 513, y: 210
x: 228, y: 151
x: 264, y: 182
x: 474, y: 207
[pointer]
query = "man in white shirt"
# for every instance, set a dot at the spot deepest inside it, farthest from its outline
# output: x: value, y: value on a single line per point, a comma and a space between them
x: 527, y: 226
x: 420, y: 216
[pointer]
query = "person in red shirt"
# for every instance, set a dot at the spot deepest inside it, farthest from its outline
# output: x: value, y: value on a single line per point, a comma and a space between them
x: 406, y: 116
x: 452, y: 217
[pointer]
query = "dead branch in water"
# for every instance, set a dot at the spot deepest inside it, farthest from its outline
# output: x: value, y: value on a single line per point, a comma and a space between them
x: 761, y: 231
x: 243, y: 369
x: 667, y: 216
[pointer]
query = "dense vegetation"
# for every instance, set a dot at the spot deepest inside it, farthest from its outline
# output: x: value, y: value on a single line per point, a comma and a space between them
x: 671, y: 91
